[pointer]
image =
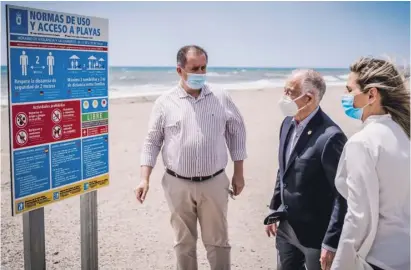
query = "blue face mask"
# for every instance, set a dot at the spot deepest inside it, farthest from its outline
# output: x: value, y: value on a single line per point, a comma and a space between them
x: 195, y: 81
x: 347, y: 102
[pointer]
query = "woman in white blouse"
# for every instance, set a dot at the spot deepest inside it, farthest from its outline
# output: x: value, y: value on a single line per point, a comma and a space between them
x: 374, y: 170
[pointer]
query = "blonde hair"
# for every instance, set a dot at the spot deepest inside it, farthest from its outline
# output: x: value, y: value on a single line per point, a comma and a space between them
x: 390, y: 84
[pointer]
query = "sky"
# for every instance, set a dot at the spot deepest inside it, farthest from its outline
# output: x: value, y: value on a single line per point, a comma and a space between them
x: 246, y: 34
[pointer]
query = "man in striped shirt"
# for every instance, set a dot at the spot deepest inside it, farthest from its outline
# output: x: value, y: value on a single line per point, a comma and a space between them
x: 193, y: 126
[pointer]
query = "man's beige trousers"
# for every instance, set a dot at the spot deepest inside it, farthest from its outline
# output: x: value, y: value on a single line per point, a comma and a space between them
x: 207, y: 201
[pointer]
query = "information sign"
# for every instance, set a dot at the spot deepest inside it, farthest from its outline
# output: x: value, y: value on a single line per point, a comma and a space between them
x: 59, y: 106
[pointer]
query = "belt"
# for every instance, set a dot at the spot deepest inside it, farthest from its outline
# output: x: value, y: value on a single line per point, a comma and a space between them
x: 195, y: 178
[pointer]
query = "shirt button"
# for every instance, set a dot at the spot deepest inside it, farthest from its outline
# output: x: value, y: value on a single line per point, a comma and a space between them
x: 285, y: 185
x: 286, y: 207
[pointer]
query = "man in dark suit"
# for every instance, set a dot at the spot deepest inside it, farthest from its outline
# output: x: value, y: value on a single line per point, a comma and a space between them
x: 306, y: 203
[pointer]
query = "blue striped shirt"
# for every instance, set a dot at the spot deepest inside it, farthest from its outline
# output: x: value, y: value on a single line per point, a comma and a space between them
x: 194, y: 133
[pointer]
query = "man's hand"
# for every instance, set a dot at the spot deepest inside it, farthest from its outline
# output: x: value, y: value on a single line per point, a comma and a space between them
x: 271, y: 229
x: 141, y: 190
x: 326, y: 259
x: 238, y: 184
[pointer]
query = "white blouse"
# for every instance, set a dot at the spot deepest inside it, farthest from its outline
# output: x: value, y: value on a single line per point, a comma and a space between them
x: 374, y: 176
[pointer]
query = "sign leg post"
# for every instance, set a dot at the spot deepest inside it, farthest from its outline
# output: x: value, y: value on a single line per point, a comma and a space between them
x: 34, y: 240
x: 89, y: 236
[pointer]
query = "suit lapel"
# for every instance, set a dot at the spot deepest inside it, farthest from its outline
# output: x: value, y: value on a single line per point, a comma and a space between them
x: 284, y: 134
x: 304, y: 138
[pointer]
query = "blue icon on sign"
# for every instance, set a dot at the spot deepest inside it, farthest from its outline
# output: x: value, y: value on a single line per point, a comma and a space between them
x: 56, y: 195
x: 19, y: 21
x: 85, y: 186
x: 20, y: 206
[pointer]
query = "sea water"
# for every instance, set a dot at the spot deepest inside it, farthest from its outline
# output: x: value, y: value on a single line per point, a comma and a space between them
x: 140, y: 81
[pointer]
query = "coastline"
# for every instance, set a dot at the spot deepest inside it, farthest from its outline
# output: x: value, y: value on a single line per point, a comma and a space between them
x: 151, y: 96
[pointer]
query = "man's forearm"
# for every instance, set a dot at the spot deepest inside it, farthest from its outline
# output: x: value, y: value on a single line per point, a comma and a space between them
x: 239, y: 167
x: 148, y: 158
x: 146, y: 172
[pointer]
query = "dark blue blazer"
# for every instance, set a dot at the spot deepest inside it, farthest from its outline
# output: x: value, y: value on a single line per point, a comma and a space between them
x: 305, y: 187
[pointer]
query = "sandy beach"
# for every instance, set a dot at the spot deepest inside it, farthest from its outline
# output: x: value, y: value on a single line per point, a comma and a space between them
x: 134, y: 236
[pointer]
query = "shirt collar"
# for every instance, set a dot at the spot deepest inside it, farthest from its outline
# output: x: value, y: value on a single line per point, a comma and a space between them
x: 376, y: 118
x: 304, y: 122
x: 183, y: 94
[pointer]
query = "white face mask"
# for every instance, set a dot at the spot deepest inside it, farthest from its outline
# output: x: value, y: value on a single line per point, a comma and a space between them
x: 288, y: 106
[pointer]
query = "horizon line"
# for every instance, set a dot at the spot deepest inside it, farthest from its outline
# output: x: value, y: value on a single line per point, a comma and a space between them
x: 267, y: 67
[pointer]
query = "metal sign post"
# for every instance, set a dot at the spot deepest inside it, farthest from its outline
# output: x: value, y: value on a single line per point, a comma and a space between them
x: 89, y: 235
x: 34, y: 240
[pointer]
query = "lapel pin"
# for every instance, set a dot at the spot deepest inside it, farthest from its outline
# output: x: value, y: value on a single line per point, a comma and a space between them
x: 309, y: 132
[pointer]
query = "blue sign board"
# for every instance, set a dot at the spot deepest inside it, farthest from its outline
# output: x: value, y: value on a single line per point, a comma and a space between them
x: 58, y: 102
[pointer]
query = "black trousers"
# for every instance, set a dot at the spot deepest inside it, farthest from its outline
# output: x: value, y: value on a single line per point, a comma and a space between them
x: 375, y: 267
x: 291, y: 254
x: 279, y: 267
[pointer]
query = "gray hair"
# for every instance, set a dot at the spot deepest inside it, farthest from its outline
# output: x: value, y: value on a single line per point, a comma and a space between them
x: 311, y: 82
x: 182, y: 53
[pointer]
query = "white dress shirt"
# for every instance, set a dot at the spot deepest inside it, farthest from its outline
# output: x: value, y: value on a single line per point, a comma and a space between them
x: 374, y: 176
x: 297, y: 131
x: 193, y: 134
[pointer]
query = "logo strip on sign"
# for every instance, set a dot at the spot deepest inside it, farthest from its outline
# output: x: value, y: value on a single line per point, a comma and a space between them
x: 58, y: 103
